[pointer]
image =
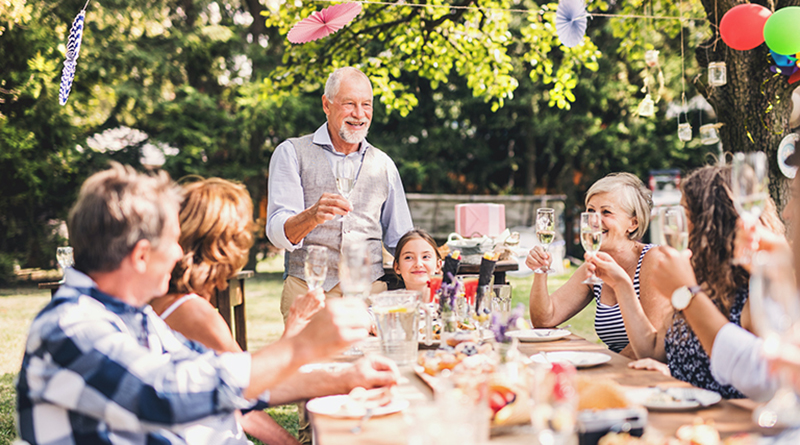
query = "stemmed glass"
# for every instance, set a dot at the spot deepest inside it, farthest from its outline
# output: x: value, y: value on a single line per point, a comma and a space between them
x: 354, y: 276
x: 750, y: 189
x: 546, y: 231
x: 344, y: 171
x: 674, y: 227
x: 64, y: 258
x: 591, y: 238
x: 775, y: 307
x: 354, y: 270
x: 316, y: 266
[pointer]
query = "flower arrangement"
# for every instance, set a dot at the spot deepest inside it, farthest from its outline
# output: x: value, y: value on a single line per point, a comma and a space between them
x: 501, y: 328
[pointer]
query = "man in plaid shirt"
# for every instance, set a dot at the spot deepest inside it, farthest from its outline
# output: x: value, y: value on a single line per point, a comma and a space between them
x: 101, y: 367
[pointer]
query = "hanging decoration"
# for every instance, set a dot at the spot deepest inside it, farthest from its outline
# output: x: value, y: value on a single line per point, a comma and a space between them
x: 717, y: 74
x: 780, y: 31
x: 73, y: 50
x: 708, y: 133
x: 571, y: 22
x: 742, y: 27
x: 323, y: 23
x: 786, y: 147
x: 684, y: 128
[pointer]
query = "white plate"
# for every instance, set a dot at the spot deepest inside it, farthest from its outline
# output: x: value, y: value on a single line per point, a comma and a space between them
x: 336, y: 406
x: 673, y: 399
x: 579, y: 359
x: 537, y: 335
x: 328, y: 367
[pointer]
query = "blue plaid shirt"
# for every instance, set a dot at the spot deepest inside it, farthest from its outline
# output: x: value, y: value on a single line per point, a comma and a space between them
x: 97, y: 370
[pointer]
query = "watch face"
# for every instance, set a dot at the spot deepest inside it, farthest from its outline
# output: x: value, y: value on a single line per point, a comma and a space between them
x: 681, y: 298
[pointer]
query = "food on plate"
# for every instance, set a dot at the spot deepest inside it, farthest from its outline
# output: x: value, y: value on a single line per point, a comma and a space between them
x: 600, y: 394
x: 360, y: 399
x: 461, y: 337
x: 509, y: 403
x: 699, y: 433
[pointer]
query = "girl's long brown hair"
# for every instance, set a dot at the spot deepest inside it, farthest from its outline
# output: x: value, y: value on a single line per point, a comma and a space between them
x: 708, y: 198
x: 217, y: 230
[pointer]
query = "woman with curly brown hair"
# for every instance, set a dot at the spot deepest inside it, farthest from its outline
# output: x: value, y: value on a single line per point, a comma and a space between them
x: 714, y: 291
x: 216, y: 221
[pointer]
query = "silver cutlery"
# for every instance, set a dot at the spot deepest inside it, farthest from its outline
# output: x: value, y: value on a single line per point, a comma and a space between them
x: 357, y: 429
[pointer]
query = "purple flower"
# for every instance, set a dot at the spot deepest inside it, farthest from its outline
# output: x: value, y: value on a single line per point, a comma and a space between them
x: 500, y: 329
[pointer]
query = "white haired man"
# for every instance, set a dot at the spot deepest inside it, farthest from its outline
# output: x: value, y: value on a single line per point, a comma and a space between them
x: 303, y: 198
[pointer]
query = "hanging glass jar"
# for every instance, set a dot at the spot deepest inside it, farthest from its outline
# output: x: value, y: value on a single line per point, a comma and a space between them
x: 684, y: 129
x: 717, y: 74
x: 708, y: 134
x: 647, y: 107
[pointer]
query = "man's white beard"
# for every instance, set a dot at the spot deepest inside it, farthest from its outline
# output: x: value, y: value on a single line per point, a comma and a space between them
x: 353, y: 136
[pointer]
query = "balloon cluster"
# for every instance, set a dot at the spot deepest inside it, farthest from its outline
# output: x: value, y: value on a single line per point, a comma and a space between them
x: 748, y: 25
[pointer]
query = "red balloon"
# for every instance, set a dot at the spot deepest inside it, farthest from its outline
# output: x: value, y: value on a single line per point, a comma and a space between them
x: 742, y: 27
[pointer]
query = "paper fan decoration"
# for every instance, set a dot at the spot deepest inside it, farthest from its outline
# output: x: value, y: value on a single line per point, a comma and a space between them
x: 571, y: 22
x: 73, y: 50
x: 323, y: 23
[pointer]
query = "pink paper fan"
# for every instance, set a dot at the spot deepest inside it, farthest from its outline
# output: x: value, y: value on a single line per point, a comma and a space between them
x: 324, y: 22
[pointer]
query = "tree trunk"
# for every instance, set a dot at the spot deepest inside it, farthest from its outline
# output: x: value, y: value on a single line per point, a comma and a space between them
x: 755, y: 104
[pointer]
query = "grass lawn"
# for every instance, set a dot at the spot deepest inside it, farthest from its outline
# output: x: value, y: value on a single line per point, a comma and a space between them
x: 19, y: 305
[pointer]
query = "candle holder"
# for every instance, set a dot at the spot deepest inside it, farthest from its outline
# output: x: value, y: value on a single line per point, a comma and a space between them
x: 717, y: 74
x: 708, y: 134
x: 647, y: 107
x: 684, y: 132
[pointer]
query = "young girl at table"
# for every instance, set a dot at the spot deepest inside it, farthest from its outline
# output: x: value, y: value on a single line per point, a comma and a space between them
x: 417, y: 259
x: 710, y: 276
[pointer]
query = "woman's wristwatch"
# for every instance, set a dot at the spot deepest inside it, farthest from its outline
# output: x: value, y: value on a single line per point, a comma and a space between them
x: 683, y: 296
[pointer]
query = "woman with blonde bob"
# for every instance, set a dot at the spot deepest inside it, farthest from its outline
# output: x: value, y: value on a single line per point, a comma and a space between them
x: 628, y: 307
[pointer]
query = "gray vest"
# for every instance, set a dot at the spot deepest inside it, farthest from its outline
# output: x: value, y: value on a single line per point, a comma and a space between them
x: 363, y: 223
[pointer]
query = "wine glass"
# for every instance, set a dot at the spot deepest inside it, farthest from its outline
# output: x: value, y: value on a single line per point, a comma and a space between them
x: 775, y: 307
x: 64, y: 258
x: 674, y: 227
x: 316, y: 266
x: 354, y: 270
x: 546, y: 231
x: 345, y: 173
x: 591, y: 238
x: 750, y: 190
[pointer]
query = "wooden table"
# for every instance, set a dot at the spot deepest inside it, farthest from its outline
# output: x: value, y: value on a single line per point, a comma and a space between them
x: 729, y: 416
x: 229, y: 302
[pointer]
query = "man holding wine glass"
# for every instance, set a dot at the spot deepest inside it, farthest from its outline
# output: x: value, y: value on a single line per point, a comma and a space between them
x: 333, y: 188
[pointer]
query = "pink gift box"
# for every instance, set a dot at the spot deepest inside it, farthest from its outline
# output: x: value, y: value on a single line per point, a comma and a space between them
x: 480, y: 219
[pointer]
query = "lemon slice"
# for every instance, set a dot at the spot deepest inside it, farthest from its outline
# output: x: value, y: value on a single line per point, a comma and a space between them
x: 399, y: 309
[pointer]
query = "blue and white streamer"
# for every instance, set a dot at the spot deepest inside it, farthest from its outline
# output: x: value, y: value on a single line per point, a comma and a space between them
x: 73, y: 50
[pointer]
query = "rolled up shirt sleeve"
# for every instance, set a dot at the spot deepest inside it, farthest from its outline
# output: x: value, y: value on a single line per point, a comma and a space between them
x: 395, y: 215
x: 285, y: 195
x: 736, y: 360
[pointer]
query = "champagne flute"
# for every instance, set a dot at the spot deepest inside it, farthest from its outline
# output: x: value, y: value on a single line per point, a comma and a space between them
x: 591, y: 238
x: 546, y: 231
x: 64, y: 258
x: 354, y: 276
x: 316, y: 266
x: 354, y: 270
x: 345, y: 173
x: 750, y: 190
x: 674, y: 227
x: 775, y: 307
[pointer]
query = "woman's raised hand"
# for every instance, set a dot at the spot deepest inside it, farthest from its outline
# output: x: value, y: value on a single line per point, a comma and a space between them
x: 538, y: 258
x: 604, y: 266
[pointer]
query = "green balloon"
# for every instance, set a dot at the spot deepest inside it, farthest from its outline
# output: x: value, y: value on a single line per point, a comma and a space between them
x: 782, y: 31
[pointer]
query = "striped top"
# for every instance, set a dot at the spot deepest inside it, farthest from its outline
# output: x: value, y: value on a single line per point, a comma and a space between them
x: 608, y: 319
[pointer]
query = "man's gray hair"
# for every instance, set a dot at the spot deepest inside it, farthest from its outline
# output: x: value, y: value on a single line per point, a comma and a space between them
x: 117, y: 208
x: 335, y: 80
x: 631, y: 194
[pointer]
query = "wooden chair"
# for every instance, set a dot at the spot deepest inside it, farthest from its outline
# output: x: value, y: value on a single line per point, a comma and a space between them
x: 231, y: 305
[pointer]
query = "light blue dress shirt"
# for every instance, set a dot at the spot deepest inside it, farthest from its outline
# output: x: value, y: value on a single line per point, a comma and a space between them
x: 286, y: 195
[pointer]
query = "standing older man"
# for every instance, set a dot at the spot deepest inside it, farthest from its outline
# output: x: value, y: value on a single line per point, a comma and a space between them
x: 303, y: 199
x: 101, y: 367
